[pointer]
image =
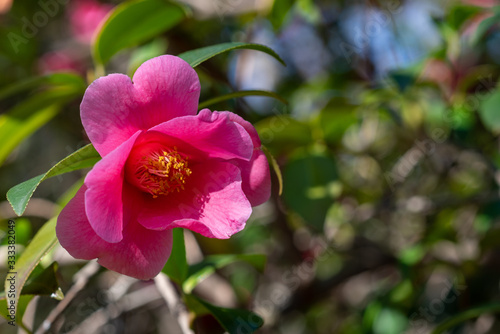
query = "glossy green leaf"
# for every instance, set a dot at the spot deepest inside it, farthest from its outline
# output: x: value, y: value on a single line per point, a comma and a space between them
x: 242, y: 93
x: 235, y: 321
x: 489, y: 114
x: 40, y: 245
x: 202, y: 270
x: 134, y: 22
x: 198, y: 56
x: 29, y: 115
x: 19, y: 195
x: 176, y: 267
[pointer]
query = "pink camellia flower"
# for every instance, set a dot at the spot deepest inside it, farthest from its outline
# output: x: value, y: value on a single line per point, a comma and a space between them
x: 85, y: 16
x: 163, y: 166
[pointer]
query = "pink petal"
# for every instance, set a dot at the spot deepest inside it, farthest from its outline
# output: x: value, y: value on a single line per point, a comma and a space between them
x: 245, y: 124
x: 104, y: 205
x: 142, y: 253
x: 213, y: 203
x: 214, y: 134
x: 256, y: 179
x: 113, y: 108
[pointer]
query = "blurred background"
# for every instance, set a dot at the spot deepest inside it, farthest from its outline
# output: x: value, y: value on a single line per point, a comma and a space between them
x: 389, y: 219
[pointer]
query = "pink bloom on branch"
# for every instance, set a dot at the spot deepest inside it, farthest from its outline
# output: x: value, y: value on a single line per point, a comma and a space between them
x: 85, y: 17
x: 61, y: 60
x: 163, y: 166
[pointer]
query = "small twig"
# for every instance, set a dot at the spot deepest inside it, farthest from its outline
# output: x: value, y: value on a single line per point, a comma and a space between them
x: 125, y: 303
x: 173, y: 301
x: 81, y: 279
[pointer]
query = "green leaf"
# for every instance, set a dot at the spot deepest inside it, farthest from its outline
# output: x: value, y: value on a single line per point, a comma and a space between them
x: 280, y: 12
x: 134, y: 22
x: 42, y: 281
x: 41, y: 244
x: 176, y: 267
x: 242, y: 93
x: 200, y: 271
x: 29, y: 115
x: 22, y: 304
x: 276, y: 168
x: 19, y: 195
x: 198, y: 56
x: 235, y: 321
x: 488, y: 111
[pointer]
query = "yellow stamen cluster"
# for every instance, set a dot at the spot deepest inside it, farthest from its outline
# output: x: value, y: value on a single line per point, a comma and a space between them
x: 162, y: 173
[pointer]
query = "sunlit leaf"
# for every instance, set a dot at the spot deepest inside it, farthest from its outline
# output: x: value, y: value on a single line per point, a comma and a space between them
x: 19, y: 195
x: 40, y: 245
x: 134, y: 22
x: 176, y: 267
x: 202, y: 270
x: 198, y: 56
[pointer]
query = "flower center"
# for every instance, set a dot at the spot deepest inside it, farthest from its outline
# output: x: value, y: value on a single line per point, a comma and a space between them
x: 162, y: 172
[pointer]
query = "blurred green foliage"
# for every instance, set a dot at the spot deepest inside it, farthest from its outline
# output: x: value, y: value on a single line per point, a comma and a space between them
x: 389, y: 220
